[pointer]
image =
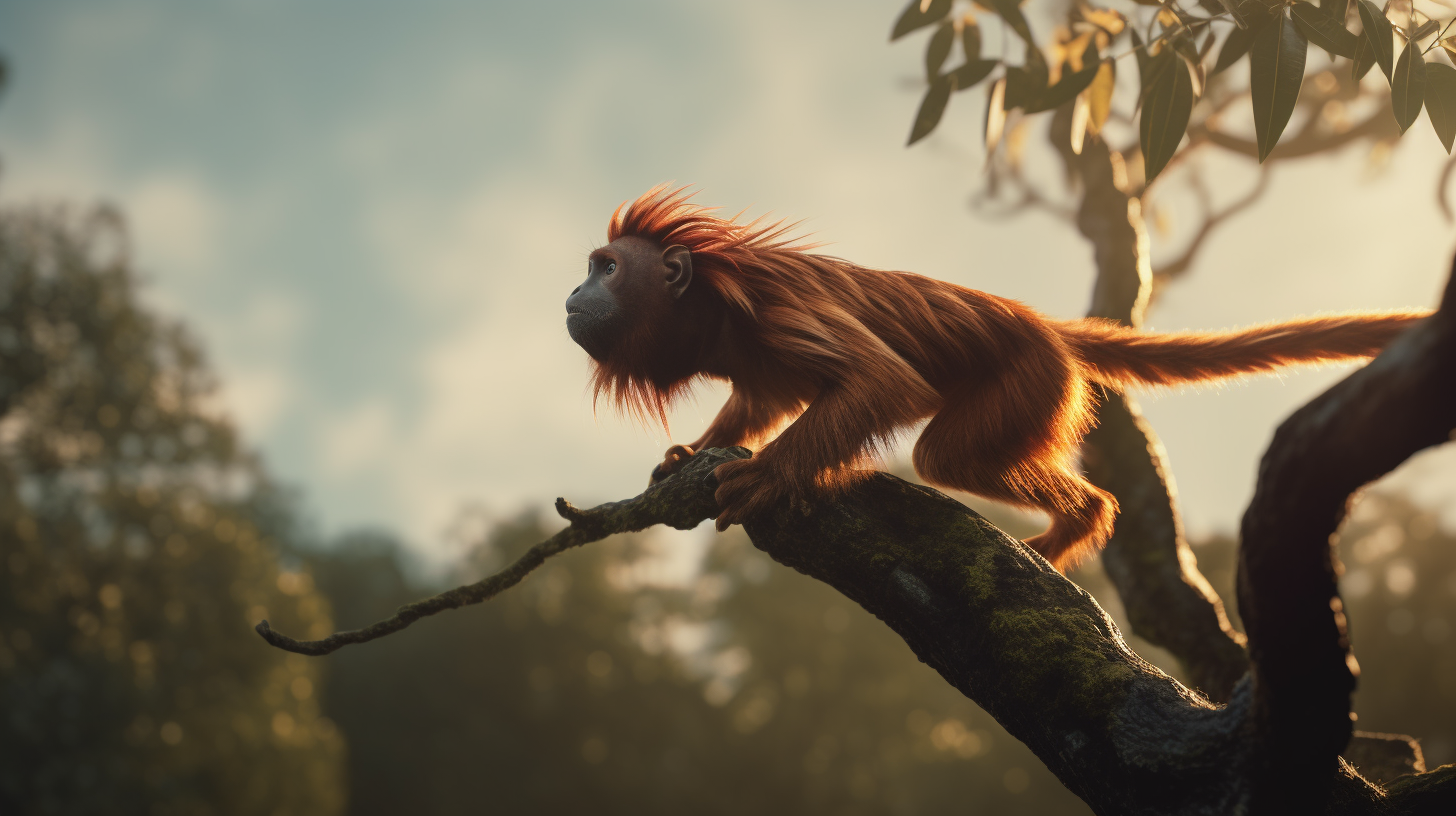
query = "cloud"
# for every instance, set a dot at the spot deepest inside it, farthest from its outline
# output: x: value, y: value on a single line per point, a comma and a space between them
x: 256, y: 397
x: 174, y: 217
x: 358, y: 439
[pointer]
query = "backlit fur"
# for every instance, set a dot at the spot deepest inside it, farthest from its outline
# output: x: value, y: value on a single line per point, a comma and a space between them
x: 1007, y: 390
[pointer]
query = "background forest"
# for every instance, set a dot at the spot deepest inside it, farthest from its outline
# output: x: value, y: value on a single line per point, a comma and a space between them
x: 142, y: 535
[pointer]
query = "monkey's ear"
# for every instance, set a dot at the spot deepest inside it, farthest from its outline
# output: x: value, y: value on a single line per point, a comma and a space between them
x: 679, y: 263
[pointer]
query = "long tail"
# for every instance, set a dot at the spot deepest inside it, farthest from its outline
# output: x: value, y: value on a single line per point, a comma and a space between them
x: 1120, y: 356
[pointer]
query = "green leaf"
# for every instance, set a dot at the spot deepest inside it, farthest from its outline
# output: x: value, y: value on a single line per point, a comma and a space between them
x: 1010, y: 11
x: 1070, y: 85
x: 932, y: 107
x: 1143, y: 57
x: 1323, y: 30
x: 1364, y: 58
x: 971, y: 39
x: 971, y: 73
x: 1425, y: 30
x: 939, y: 48
x: 1440, y: 99
x: 1026, y: 84
x: 1337, y: 10
x: 913, y: 18
x: 1235, y: 47
x: 1408, y: 85
x: 1021, y: 87
x: 1276, y: 70
x: 1167, y: 104
x: 1377, y: 35
x: 1188, y: 50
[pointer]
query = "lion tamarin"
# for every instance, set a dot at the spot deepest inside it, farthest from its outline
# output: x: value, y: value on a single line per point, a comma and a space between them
x: 847, y: 356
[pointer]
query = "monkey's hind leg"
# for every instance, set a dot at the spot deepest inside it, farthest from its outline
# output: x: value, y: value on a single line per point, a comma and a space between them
x: 989, y: 447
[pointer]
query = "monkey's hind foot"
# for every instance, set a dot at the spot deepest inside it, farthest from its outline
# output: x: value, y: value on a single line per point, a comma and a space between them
x: 1077, y: 533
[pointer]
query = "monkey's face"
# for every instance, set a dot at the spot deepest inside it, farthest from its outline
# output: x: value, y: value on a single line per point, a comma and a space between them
x: 594, y: 316
x: 631, y: 284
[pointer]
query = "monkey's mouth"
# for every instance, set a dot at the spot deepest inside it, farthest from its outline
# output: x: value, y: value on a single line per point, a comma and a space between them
x: 577, y: 316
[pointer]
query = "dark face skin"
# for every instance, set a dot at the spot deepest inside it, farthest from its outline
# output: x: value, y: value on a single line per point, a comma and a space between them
x: 634, y: 283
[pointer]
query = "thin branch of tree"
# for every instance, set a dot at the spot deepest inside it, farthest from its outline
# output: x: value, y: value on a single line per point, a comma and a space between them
x: 1442, y: 194
x: 681, y: 502
x: 1030, y: 196
x: 1211, y: 222
x: 1308, y: 142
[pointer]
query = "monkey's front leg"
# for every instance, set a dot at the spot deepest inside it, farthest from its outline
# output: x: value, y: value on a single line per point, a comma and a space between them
x: 742, y: 420
x: 810, y: 455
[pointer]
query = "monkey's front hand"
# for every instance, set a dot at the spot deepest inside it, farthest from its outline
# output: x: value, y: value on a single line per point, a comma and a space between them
x: 746, y: 487
x: 672, y: 462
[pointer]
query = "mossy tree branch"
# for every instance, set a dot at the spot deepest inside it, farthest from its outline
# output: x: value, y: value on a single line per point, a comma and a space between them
x: 999, y: 624
x: 1031, y: 648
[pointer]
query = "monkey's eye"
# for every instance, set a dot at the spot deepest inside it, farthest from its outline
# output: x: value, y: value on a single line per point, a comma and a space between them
x: 611, y: 267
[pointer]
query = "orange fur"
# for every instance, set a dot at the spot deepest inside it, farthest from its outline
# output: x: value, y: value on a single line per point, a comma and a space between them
x: 853, y: 355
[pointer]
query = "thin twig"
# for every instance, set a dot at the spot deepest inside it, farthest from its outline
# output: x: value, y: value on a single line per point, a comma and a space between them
x: 1211, y: 221
x: 682, y: 501
x: 1441, y: 198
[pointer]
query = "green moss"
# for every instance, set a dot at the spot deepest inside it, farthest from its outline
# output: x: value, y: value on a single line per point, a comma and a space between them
x: 1051, y: 663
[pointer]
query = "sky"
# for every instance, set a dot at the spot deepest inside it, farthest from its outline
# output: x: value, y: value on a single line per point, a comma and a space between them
x: 371, y: 213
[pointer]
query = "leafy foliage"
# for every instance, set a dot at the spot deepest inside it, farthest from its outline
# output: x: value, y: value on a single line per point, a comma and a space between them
x: 1274, y: 36
x: 137, y: 543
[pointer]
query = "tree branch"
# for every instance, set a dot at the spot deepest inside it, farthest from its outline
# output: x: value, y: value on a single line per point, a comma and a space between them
x: 1442, y: 198
x: 1031, y: 648
x: 1357, y: 431
x: 1379, y: 125
x: 1169, y: 603
x: 1008, y: 631
x: 682, y: 503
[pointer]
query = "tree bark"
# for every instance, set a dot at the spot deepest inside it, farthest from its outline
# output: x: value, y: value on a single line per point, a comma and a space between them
x: 1354, y: 433
x: 1031, y: 648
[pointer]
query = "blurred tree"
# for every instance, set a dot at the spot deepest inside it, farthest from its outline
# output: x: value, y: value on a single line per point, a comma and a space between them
x: 1400, y: 584
x: 593, y: 686
x: 137, y: 545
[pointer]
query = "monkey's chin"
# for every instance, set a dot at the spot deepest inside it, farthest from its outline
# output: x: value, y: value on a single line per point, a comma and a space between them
x: 587, y: 331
